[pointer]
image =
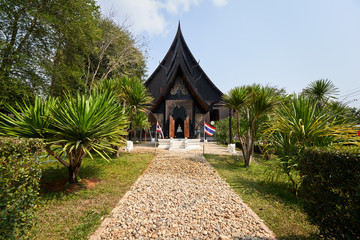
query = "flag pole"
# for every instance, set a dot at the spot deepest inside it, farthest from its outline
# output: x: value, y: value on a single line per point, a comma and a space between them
x: 204, y: 139
x: 156, y: 135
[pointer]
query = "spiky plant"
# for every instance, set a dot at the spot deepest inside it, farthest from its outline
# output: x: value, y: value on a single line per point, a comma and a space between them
x: 322, y: 91
x: 299, y: 123
x: 253, y: 102
x: 29, y: 121
x: 78, y: 125
x: 86, y: 123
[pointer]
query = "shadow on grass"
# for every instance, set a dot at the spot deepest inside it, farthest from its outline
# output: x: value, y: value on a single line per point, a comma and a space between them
x: 53, y: 183
x: 298, y: 237
x: 276, y: 191
x: 253, y: 179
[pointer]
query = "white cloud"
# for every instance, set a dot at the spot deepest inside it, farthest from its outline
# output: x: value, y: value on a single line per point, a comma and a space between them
x: 220, y: 3
x: 143, y: 15
x: 175, y: 6
x: 148, y: 15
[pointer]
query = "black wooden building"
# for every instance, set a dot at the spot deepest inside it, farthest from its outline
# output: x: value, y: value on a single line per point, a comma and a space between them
x: 184, y: 96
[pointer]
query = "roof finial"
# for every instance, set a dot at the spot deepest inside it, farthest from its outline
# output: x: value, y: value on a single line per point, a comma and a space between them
x: 179, y: 28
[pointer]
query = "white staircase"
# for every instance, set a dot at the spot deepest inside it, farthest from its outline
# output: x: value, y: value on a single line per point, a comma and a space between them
x: 179, y: 144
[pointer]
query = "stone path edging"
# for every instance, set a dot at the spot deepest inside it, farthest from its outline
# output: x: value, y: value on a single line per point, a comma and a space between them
x: 106, y: 221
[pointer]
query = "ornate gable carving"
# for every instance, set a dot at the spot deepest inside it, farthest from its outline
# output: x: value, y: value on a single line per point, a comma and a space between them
x: 179, y: 86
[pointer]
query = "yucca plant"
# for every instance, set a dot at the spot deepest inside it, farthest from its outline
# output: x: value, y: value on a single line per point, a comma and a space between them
x: 86, y: 123
x: 75, y: 126
x: 299, y: 123
x: 29, y: 121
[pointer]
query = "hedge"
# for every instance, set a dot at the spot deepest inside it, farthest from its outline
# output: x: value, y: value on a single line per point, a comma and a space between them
x: 331, y: 189
x: 19, y: 186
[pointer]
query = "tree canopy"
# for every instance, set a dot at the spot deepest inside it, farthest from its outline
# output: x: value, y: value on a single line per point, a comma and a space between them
x: 52, y: 47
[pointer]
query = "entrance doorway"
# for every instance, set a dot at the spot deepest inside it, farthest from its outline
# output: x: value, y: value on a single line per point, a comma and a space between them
x: 179, y: 128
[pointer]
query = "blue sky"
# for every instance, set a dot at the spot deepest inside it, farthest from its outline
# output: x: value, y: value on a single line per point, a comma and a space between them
x: 283, y: 43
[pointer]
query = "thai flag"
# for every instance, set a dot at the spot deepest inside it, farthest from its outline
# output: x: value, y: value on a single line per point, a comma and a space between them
x: 209, y: 130
x: 158, y: 129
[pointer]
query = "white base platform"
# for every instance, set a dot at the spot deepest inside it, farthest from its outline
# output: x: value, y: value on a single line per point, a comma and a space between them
x: 179, y: 143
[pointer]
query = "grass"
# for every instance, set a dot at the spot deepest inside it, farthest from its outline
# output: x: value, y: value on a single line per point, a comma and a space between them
x: 267, y: 194
x: 75, y: 213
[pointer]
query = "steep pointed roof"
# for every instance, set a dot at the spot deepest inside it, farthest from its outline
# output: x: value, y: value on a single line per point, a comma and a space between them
x: 179, y: 60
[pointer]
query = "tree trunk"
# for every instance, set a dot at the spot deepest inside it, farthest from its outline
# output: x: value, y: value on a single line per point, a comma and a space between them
x: 74, y: 173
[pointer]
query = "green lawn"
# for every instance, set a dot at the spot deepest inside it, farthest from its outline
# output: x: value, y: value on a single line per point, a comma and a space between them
x: 267, y: 193
x: 74, y: 213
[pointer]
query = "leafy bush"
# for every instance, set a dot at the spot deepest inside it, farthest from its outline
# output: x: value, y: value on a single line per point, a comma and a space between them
x: 331, y: 188
x: 19, y: 185
x: 222, y: 130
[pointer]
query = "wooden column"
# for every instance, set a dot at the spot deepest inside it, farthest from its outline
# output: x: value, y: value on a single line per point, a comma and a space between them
x: 171, y: 127
x: 186, y: 127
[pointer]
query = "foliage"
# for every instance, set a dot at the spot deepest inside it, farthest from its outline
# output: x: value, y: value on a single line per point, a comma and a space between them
x: 331, y: 180
x: 75, y: 33
x: 19, y: 185
x: 78, y: 125
x: 117, y: 54
x: 222, y: 130
x: 254, y: 103
x: 31, y: 121
x: 53, y: 47
x: 140, y: 122
x: 86, y: 123
x: 322, y: 90
x: 135, y: 95
x: 44, y: 41
x: 299, y: 124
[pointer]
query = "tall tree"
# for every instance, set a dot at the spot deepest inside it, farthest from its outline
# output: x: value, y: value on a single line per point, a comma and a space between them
x: 36, y: 36
x: 117, y: 53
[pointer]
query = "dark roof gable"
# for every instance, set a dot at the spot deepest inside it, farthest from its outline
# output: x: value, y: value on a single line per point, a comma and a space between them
x: 179, y: 59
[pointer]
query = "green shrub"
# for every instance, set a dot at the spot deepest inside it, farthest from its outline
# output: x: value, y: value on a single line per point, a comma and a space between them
x: 19, y: 186
x: 222, y: 130
x: 331, y: 188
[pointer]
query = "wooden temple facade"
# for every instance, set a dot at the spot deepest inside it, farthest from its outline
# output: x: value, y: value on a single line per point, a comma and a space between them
x: 184, y: 96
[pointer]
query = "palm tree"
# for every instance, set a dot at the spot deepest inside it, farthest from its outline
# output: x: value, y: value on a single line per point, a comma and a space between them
x: 140, y: 121
x: 135, y: 95
x: 75, y: 126
x: 254, y: 102
x: 236, y: 100
x: 321, y: 90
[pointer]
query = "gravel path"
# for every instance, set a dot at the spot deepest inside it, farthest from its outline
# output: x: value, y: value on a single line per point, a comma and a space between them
x: 181, y: 196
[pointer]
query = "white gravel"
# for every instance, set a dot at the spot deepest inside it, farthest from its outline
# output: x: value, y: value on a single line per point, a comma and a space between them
x: 181, y: 196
